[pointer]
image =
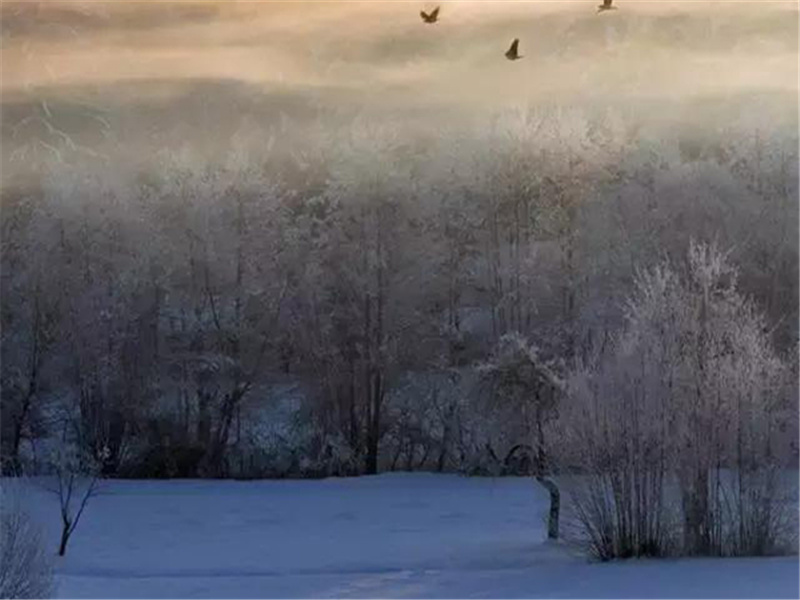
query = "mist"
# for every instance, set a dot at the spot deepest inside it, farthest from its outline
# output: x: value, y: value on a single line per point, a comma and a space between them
x: 129, y: 79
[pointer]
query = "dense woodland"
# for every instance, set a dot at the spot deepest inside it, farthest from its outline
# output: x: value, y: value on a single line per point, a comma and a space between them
x: 364, y: 299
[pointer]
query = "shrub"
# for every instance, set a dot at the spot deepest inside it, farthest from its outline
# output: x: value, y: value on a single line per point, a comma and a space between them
x: 678, y: 417
x: 25, y: 567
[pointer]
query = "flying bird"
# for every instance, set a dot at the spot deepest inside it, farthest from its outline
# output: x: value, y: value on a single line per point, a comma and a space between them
x: 606, y: 5
x: 513, y: 52
x: 431, y: 17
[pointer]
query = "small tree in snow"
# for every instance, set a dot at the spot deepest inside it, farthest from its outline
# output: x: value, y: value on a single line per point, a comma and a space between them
x: 518, y: 374
x: 77, y: 476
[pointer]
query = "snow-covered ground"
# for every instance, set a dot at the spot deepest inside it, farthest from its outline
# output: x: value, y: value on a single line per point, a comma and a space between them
x: 386, y: 536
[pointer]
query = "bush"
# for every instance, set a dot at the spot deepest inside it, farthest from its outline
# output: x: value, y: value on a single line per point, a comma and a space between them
x: 25, y: 567
x: 623, y: 513
x: 673, y: 426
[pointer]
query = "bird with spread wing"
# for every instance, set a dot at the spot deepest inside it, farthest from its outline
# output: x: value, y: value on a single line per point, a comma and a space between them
x: 431, y: 17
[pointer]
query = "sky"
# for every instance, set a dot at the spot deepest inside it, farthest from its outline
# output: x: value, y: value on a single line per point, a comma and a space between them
x: 149, y: 73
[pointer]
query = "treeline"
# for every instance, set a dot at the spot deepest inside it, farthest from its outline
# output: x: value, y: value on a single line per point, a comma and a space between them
x: 328, y: 303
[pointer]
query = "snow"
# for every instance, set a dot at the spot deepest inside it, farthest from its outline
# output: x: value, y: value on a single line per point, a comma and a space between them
x: 394, y: 535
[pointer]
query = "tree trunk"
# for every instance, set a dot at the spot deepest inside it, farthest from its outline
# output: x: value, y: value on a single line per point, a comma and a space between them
x: 696, y: 509
x: 547, y: 483
x: 555, y: 506
x: 373, y: 427
x: 62, y: 547
x: 371, y: 463
x: 443, y: 452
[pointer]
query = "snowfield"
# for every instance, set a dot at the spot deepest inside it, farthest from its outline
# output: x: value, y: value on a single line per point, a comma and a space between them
x: 394, y: 535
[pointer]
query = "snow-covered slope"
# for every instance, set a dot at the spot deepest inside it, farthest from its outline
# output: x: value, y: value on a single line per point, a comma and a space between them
x: 387, y: 536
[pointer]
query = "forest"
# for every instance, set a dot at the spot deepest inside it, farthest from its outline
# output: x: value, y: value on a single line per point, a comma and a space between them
x: 343, y: 301
x: 557, y: 293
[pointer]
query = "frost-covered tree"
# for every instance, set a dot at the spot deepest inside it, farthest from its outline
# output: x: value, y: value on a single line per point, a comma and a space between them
x: 677, y: 422
x: 520, y: 376
x: 31, y: 313
x: 25, y: 565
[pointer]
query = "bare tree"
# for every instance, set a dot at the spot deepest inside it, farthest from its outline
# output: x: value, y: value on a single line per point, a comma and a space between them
x: 77, y: 478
